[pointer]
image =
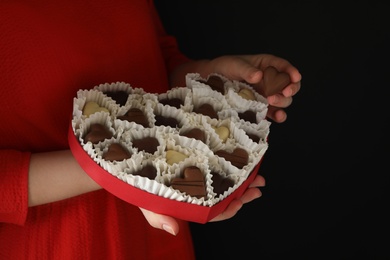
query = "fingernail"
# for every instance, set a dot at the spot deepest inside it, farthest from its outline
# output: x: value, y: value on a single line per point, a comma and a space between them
x: 168, y: 229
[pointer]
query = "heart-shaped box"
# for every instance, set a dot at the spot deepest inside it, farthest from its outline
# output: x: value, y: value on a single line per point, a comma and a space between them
x: 213, y: 155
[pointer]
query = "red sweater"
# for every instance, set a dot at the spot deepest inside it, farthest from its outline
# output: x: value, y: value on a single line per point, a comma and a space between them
x: 49, y: 50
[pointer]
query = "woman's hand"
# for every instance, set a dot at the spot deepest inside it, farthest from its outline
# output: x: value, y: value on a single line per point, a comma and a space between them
x: 249, y: 68
x: 251, y: 193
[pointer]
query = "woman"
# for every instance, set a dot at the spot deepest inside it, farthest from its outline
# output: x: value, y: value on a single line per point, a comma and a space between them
x: 50, y: 208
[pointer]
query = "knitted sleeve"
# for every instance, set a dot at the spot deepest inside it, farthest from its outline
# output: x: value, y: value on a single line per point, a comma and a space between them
x: 13, y: 186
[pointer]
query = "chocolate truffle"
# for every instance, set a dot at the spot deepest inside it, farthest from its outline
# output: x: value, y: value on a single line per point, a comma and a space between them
x: 135, y: 115
x: 116, y: 152
x: 238, y: 157
x: 120, y: 96
x: 192, y: 183
x: 147, y: 144
x: 97, y: 133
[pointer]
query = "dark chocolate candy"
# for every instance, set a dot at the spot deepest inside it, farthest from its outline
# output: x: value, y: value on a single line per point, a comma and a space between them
x: 147, y: 144
x: 135, y: 115
x: 149, y: 171
x: 166, y: 121
x: 207, y: 110
x: 248, y: 115
x: 274, y: 81
x: 120, y: 96
x: 216, y: 83
x: 97, y: 133
x: 174, y: 102
x: 221, y: 184
x: 196, y: 133
x: 238, y: 157
x: 255, y: 138
x: 116, y: 152
x: 192, y: 183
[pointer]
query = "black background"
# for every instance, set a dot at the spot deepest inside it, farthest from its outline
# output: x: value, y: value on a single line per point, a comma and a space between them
x: 327, y: 166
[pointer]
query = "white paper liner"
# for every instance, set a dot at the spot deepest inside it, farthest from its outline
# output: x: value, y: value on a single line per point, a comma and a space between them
x: 97, y: 118
x: 238, y: 85
x: 252, y: 160
x: 240, y: 136
x: 202, y: 96
x: 194, y: 80
x: 84, y: 96
x: 158, y: 132
x: 168, y: 111
x: 224, y: 170
x: 196, y: 121
x: 197, y: 148
x: 114, y: 87
x: 216, y: 143
x: 261, y: 129
x: 136, y: 163
x: 177, y: 171
x: 113, y: 167
x: 241, y: 104
x: 135, y: 103
x: 183, y: 94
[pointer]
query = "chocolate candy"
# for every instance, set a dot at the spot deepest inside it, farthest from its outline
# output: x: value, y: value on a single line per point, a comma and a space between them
x: 255, y: 138
x: 92, y: 107
x: 207, y: 110
x: 274, y: 81
x: 173, y: 156
x: 248, y: 115
x: 192, y: 183
x: 149, y: 171
x: 147, y: 144
x: 116, y: 152
x: 166, y: 121
x: 247, y: 94
x: 196, y: 133
x: 223, y: 132
x: 174, y: 102
x: 97, y: 133
x: 216, y: 83
x: 220, y: 183
x: 238, y: 157
x: 120, y: 96
x: 135, y: 115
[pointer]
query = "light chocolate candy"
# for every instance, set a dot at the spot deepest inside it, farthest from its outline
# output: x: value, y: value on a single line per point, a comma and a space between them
x: 92, y: 107
x: 173, y: 156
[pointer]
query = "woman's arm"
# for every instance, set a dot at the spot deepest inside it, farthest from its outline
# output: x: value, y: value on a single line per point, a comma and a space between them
x: 55, y: 176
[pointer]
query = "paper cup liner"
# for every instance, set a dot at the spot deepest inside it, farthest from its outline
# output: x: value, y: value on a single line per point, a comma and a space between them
x: 182, y: 94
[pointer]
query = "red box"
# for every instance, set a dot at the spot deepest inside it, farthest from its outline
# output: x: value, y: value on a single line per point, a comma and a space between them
x: 149, y: 201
